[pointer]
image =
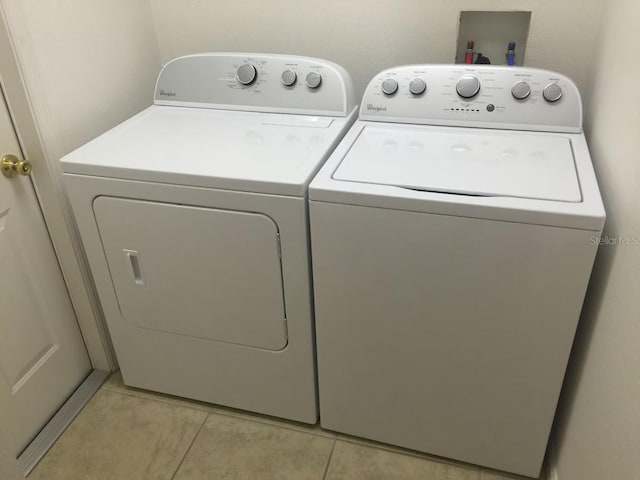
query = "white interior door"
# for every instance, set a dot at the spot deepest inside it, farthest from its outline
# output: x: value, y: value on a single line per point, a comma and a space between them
x: 42, y: 354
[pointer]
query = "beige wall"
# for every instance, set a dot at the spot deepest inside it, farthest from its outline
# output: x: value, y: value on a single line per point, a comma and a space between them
x: 88, y: 64
x: 598, y: 431
x: 366, y: 36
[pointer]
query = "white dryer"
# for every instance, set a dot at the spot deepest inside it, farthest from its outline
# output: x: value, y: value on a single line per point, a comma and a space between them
x: 193, y: 216
x: 453, y: 233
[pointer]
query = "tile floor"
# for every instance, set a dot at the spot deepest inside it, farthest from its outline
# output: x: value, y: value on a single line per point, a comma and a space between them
x: 126, y: 433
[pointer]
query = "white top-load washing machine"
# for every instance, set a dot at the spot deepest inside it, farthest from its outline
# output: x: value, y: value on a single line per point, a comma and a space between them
x: 453, y: 232
x: 193, y: 215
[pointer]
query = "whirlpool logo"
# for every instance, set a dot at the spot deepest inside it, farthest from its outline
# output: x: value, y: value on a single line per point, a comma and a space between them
x: 166, y: 93
x: 375, y: 108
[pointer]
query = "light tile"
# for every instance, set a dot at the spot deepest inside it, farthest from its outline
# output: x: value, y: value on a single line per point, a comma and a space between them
x: 359, y: 462
x: 229, y: 448
x: 115, y: 383
x: 119, y: 436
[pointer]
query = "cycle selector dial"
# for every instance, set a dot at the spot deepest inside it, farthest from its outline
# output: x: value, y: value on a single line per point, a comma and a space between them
x: 288, y: 78
x: 417, y: 86
x: 313, y: 80
x: 552, y: 92
x: 521, y: 90
x: 246, y: 74
x: 468, y: 86
x: 389, y: 86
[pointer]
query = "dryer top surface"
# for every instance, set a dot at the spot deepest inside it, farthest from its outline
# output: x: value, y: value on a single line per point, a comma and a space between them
x: 235, y: 150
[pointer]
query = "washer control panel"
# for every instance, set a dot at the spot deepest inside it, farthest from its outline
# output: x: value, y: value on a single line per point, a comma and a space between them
x: 256, y: 82
x: 486, y: 96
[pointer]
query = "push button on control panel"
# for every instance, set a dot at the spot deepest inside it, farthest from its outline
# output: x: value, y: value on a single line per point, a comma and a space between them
x: 313, y: 80
x: 552, y: 92
x: 246, y: 74
x: 288, y: 78
x: 389, y: 86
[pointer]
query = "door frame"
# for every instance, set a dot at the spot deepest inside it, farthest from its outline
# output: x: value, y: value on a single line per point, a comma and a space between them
x: 54, y: 204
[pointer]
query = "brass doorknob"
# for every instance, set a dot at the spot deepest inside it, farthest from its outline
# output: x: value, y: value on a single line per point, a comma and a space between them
x: 12, y: 166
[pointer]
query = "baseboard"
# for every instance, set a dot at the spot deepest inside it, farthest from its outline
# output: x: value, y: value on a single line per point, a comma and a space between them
x: 40, y: 445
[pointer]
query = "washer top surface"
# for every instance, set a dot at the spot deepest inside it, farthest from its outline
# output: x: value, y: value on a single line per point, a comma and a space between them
x: 229, y: 121
x: 463, y: 161
x: 510, y: 149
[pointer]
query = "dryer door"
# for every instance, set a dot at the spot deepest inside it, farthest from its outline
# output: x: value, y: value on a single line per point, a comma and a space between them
x: 195, y: 271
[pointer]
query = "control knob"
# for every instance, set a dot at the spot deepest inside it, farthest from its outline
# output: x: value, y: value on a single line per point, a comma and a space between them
x: 520, y: 90
x: 468, y: 86
x: 313, y: 80
x: 288, y: 78
x: 552, y: 92
x: 389, y: 86
x: 417, y: 86
x: 246, y: 74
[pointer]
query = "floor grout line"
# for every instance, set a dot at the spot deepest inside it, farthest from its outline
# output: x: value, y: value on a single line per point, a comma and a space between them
x: 190, y: 445
x: 326, y: 468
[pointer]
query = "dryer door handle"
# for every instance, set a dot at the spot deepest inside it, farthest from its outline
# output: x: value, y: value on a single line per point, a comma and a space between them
x: 136, y: 268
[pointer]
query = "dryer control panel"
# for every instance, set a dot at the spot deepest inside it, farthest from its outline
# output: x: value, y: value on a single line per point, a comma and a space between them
x: 256, y: 82
x: 482, y: 96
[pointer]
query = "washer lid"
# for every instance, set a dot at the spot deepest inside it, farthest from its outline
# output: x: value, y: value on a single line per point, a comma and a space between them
x: 468, y: 162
